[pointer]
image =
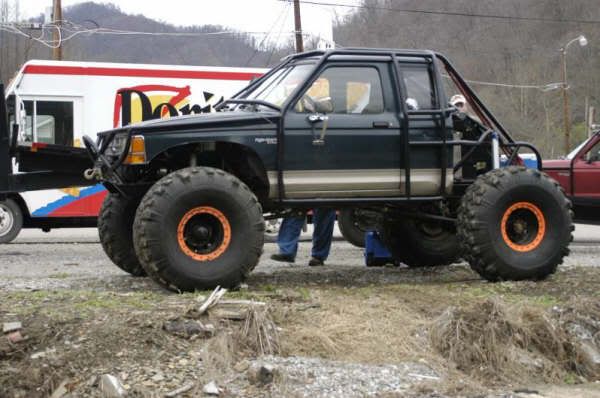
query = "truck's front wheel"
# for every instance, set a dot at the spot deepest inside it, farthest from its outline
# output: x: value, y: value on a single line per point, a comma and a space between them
x: 514, y: 223
x: 115, y: 222
x: 198, y: 228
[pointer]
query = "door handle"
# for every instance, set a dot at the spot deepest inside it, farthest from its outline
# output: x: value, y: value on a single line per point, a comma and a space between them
x: 313, y: 119
x: 383, y: 125
x: 317, y: 117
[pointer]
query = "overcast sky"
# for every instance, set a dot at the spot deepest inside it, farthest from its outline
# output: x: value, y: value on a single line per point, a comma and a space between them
x: 242, y: 15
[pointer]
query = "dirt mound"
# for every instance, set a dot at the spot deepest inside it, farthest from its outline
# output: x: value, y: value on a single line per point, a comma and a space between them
x: 496, y: 342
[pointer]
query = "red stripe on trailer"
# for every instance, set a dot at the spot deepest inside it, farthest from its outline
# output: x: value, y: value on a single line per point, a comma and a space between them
x: 137, y: 72
x: 87, y: 206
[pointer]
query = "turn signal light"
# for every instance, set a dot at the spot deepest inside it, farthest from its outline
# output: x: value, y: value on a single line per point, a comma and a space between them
x: 137, y: 151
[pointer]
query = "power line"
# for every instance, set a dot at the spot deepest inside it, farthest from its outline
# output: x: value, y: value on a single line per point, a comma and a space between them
x: 449, y: 13
x: 542, y: 87
x: 287, y: 11
x: 283, y: 11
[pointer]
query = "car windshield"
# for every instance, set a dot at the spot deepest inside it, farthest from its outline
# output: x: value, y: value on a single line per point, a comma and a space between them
x: 574, y: 152
x: 278, y: 87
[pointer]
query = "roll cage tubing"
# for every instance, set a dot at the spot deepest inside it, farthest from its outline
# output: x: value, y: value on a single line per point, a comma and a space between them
x: 430, y: 58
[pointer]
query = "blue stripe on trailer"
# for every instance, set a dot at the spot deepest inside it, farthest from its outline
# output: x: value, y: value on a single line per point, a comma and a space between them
x: 67, y: 199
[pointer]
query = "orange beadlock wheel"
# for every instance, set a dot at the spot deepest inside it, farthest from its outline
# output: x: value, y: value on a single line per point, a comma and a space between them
x: 204, y: 233
x: 523, y: 226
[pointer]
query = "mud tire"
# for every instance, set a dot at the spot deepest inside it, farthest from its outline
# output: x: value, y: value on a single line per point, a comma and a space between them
x: 115, y: 228
x: 349, y: 228
x: 15, y: 219
x: 162, y: 219
x: 408, y: 243
x: 482, y: 226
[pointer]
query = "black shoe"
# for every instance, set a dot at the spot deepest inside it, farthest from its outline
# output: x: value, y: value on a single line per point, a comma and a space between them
x: 285, y: 258
x: 316, y: 262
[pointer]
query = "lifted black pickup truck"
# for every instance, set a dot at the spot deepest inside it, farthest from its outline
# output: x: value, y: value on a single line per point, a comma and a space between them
x: 363, y: 129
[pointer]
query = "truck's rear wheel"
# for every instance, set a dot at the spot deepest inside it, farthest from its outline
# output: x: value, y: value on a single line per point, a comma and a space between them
x: 515, y: 223
x: 198, y: 228
x: 350, y: 228
x: 421, y: 243
x: 11, y: 220
x: 115, y: 228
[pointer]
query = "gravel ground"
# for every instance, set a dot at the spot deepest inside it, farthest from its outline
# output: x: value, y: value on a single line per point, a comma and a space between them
x: 73, y: 260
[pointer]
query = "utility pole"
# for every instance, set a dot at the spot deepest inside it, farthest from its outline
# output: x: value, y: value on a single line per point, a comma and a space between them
x: 566, y: 120
x: 298, y: 27
x: 56, y: 37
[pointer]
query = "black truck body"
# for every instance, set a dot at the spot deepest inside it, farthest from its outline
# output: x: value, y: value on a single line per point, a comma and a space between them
x: 367, y: 130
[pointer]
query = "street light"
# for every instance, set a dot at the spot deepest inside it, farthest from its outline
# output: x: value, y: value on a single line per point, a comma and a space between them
x: 582, y: 42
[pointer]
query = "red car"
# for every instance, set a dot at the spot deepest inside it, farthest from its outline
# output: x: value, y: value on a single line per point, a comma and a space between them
x: 579, y: 174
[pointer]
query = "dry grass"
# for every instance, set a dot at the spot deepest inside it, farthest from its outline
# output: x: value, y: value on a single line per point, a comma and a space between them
x: 500, y: 343
x: 259, y: 332
x: 349, y: 326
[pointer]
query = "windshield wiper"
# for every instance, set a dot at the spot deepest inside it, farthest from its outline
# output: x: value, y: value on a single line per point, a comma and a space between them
x: 248, y: 102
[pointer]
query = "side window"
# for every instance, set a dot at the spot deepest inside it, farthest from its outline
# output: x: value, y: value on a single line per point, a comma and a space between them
x: 420, y: 94
x: 344, y: 90
x: 593, y: 155
x: 50, y: 122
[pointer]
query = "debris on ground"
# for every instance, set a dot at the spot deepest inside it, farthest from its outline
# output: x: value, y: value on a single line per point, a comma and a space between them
x: 188, y: 328
x: 178, y: 391
x: 497, y: 342
x: 111, y: 387
x: 261, y: 373
x: 360, y: 333
x: 211, y: 389
x: 11, y: 327
x: 314, y: 377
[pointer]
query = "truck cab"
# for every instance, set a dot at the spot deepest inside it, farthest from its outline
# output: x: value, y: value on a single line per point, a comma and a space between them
x: 579, y: 175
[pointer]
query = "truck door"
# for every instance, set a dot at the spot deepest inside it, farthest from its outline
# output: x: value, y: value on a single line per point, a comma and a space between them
x: 586, y: 175
x: 59, y: 121
x: 342, y: 137
x: 421, y: 96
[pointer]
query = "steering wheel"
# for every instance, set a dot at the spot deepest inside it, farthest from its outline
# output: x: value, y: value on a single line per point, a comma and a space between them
x: 309, y: 103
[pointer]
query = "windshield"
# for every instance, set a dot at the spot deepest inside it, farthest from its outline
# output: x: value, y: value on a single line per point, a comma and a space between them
x: 279, y: 86
x: 574, y: 152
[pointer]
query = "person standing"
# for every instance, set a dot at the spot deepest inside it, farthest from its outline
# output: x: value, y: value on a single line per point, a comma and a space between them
x: 289, y: 234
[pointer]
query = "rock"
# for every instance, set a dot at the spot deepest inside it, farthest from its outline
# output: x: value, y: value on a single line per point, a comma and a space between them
x: 590, y: 354
x: 261, y: 373
x: 11, y: 327
x: 61, y: 390
x: 211, y: 389
x: 188, y: 328
x: 15, y: 337
x: 241, y: 366
x: 186, y: 387
x: 158, y: 377
x: 111, y: 386
x: 41, y: 354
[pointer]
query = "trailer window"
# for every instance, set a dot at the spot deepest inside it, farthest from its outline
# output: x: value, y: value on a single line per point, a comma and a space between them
x: 50, y: 122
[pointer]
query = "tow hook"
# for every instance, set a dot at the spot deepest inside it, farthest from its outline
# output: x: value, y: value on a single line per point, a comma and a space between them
x: 91, y: 174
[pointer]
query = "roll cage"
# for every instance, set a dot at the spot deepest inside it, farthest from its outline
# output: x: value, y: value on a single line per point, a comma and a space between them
x: 495, y: 129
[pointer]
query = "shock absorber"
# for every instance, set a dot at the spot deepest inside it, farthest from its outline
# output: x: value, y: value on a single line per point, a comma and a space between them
x: 495, y: 151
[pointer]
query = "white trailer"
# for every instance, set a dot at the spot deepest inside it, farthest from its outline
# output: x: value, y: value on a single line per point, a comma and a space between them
x: 55, y: 103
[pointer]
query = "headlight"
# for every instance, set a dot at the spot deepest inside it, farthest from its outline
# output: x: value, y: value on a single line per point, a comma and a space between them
x: 117, y: 145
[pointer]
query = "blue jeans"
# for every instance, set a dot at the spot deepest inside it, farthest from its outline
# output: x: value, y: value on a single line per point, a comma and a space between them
x: 289, y: 233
